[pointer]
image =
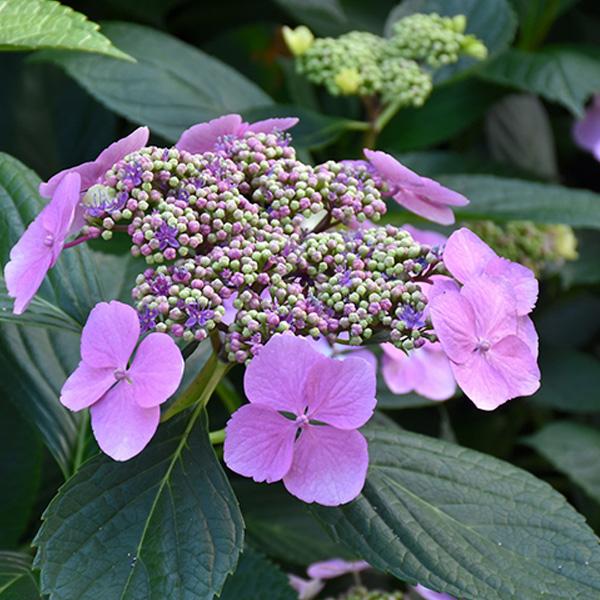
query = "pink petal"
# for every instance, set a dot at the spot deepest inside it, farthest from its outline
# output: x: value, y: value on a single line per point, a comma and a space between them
x: 110, y: 335
x: 587, y: 130
x: 423, y: 236
x: 118, y: 150
x: 422, y: 206
x: 307, y: 588
x: 121, y: 427
x: 428, y: 594
x: 438, y: 194
x: 390, y: 169
x: 329, y: 466
x: 86, y: 385
x: 276, y: 376
x: 522, y: 281
x: 272, y: 125
x: 341, y: 392
x: 465, y: 255
x: 259, y: 443
x: 203, y: 136
x: 493, y: 305
x: 336, y: 567
x: 441, y: 284
x: 156, y: 370
x: 454, y: 323
x: 526, y: 331
x: 402, y: 372
x: 438, y: 383
x: 89, y: 172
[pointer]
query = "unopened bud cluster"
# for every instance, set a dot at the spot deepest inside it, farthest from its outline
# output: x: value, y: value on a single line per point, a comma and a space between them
x: 396, y: 69
x: 246, y: 241
x: 539, y: 247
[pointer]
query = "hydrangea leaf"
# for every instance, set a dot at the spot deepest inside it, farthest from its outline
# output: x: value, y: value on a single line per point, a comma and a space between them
x: 17, y: 580
x: 257, y: 577
x: 166, y: 89
x: 465, y: 523
x: 164, y: 524
x: 573, y: 449
x: 33, y: 24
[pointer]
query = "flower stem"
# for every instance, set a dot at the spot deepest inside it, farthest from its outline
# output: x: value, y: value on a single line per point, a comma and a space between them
x: 229, y: 397
x: 217, y: 437
x: 81, y: 438
x: 81, y: 240
x: 201, y: 388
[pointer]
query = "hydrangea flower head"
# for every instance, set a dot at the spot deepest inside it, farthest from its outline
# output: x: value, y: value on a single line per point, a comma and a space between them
x: 480, y: 331
x: 123, y: 390
x: 466, y: 256
x: 204, y: 136
x: 301, y: 423
x: 91, y: 172
x: 586, y: 131
x: 420, y: 195
x: 39, y: 247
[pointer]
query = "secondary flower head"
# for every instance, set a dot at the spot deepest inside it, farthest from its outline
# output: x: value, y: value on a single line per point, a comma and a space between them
x: 203, y: 137
x: 123, y: 390
x: 587, y: 130
x: 466, y: 256
x: 39, y: 247
x: 91, y: 172
x: 302, y: 420
x: 421, y: 195
x: 426, y: 371
x: 491, y: 354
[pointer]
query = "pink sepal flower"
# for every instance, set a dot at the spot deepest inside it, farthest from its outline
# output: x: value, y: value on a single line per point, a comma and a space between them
x: 302, y: 420
x: 40, y: 245
x: 586, y: 131
x: 203, y: 136
x: 489, y: 348
x: 307, y: 589
x: 124, y: 392
x: 420, y: 195
x: 425, y: 236
x: 336, y: 567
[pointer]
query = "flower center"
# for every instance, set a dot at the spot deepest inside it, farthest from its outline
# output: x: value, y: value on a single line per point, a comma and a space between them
x: 483, y: 345
x: 121, y: 374
x: 49, y: 240
x: 302, y: 421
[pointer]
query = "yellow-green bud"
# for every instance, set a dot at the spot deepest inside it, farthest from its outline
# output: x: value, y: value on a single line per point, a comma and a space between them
x: 474, y: 47
x: 298, y: 40
x: 348, y: 81
x: 565, y: 242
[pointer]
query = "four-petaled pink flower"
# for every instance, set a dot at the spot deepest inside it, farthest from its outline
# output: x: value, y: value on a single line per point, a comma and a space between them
x: 124, y: 393
x: 421, y: 195
x: 492, y: 354
x: 204, y: 136
x: 302, y: 420
x: 92, y: 172
x: 586, y: 131
x: 39, y: 247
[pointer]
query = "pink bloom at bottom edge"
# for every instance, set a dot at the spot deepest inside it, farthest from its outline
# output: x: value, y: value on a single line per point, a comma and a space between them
x: 301, y: 423
x: 124, y: 393
x: 428, y: 594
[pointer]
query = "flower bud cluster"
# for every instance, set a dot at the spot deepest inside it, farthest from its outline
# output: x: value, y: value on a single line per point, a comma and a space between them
x: 539, y: 247
x: 434, y: 40
x: 396, y: 69
x: 362, y: 593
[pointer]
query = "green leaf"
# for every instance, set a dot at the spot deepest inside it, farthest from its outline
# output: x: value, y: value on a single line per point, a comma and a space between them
x: 465, y: 523
x: 282, y: 526
x: 504, y: 199
x: 17, y: 581
x: 164, y: 524
x: 518, y: 132
x: 33, y: 24
x: 560, y: 75
x: 574, y: 450
x: 171, y: 86
x: 570, y: 381
x: 492, y: 21
x: 257, y: 577
x: 586, y: 269
x: 20, y: 469
x: 449, y: 111
x: 324, y: 17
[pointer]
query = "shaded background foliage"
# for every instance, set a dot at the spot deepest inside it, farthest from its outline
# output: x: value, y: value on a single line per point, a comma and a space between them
x: 498, y: 132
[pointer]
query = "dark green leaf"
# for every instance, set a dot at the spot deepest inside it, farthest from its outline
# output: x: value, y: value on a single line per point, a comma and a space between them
x: 324, y: 17
x: 560, y: 75
x: 17, y: 581
x: 387, y: 400
x: 504, y: 199
x: 171, y: 87
x: 586, y: 269
x: 282, y: 526
x: 164, y: 524
x: 570, y: 381
x: 20, y: 469
x: 450, y: 110
x: 33, y: 24
x: 257, y: 577
x: 466, y: 524
x: 574, y: 450
x: 492, y: 21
